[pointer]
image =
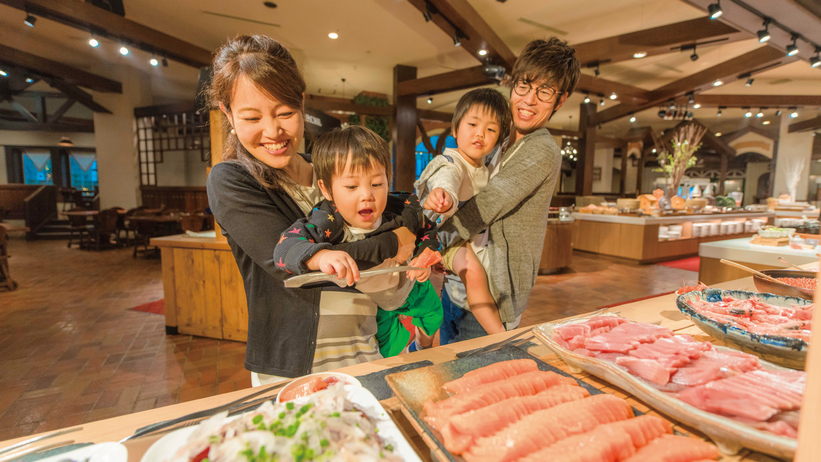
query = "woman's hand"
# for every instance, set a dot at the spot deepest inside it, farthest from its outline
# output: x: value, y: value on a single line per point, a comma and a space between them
x: 335, y: 262
x: 407, y: 243
x: 439, y: 201
x: 419, y: 275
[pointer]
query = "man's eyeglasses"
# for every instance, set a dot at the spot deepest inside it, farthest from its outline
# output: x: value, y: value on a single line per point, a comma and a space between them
x: 544, y: 94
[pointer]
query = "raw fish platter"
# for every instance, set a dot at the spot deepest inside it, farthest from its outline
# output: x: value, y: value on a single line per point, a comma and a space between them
x: 774, y: 326
x: 733, y: 397
x: 515, y: 410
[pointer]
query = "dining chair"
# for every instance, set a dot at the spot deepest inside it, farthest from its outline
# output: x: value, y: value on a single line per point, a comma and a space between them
x: 79, y: 226
x: 105, y: 224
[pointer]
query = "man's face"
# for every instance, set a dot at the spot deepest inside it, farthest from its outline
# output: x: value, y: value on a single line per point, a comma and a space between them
x: 529, y: 112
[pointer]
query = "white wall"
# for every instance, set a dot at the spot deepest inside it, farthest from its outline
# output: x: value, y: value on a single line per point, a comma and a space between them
x: 754, y: 171
x: 26, y: 138
x: 792, y: 147
x: 181, y: 169
x: 604, y: 160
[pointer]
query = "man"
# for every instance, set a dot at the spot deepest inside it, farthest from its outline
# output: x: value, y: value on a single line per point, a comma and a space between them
x: 513, y: 206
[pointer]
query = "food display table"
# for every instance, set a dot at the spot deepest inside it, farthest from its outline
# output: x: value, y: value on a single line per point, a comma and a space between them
x: 659, y: 310
x: 637, y: 238
x: 558, y: 249
x: 758, y: 257
x: 203, y: 289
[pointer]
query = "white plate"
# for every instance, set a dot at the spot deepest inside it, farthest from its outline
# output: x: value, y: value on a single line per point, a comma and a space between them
x: 364, y: 400
x: 103, y: 452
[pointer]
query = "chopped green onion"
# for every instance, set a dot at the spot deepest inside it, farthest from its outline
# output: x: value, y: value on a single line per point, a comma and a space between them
x: 257, y: 419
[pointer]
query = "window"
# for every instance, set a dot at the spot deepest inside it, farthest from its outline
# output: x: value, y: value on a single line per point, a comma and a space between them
x: 83, y: 167
x: 37, y: 168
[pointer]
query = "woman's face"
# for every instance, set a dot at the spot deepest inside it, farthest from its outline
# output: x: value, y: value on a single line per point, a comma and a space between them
x: 267, y: 128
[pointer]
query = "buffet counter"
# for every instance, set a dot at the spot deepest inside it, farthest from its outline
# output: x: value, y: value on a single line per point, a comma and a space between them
x: 658, y: 310
x: 757, y: 257
x: 638, y: 238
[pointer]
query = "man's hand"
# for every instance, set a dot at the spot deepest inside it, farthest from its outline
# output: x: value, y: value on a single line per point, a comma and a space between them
x: 419, y: 275
x: 439, y: 201
x: 407, y: 244
x: 335, y: 262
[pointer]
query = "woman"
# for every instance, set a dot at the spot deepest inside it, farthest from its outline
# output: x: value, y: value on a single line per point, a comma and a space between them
x: 263, y: 186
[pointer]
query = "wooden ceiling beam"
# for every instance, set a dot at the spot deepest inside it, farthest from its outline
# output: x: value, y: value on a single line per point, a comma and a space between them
x: 805, y: 125
x: 74, y: 92
x: 727, y: 71
x: 657, y: 40
x: 332, y: 104
x: 458, y: 15
x: 624, y: 93
x: 426, y: 114
x: 442, y: 83
x: 52, y: 69
x: 87, y: 17
x: 771, y: 101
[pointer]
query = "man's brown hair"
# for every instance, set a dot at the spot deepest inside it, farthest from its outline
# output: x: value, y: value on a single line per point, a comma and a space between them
x: 489, y: 100
x: 553, y: 60
x: 361, y: 145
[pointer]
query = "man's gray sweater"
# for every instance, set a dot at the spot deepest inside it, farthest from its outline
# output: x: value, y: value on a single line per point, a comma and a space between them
x: 513, y: 207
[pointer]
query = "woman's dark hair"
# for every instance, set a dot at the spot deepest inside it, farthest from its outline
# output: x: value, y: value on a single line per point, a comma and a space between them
x: 489, y: 100
x: 268, y: 64
x: 361, y: 145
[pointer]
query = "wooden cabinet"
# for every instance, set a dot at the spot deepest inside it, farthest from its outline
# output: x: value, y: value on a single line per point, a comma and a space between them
x: 558, y: 250
x: 203, y: 288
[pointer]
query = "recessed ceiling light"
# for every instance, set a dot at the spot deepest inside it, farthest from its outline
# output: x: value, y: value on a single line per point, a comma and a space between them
x: 766, y: 122
x: 718, y: 83
x: 3, y: 73
x: 718, y: 134
x: 632, y: 118
x: 154, y: 62
x: 696, y: 106
x: 613, y: 96
x: 93, y: 42
x: 123, y: 51
x: 333, y: 35
x: 640, y: 54
x: 482, y: 52
x: 794, y: 115
x: 29, y: 80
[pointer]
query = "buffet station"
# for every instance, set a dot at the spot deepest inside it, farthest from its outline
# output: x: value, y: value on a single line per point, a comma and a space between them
x: 702, y: 374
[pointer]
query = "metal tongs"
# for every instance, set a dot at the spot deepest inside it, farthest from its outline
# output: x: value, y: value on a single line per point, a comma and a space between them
x: 316, y: 277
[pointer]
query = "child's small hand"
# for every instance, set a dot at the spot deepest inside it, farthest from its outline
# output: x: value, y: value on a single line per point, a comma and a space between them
x: 419, y: 275
x: 339, y: 263
x: 439, y: 201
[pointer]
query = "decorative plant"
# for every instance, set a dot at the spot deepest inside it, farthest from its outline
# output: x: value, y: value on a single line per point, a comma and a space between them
x: 793, y: 170
x: 686, y: 141
x: 375, y: 123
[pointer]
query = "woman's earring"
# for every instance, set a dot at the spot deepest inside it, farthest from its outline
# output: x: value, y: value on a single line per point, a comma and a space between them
x: 233, y: 132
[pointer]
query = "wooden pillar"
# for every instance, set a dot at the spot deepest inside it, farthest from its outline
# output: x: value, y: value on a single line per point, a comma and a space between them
x: 623, y: 177
x: 404, y: 131
x: 216, y: 125
x: 640, y: 173
x: 722, y: 175
x: 587, y: 149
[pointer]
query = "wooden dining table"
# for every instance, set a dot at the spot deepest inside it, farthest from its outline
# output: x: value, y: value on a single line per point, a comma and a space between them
x: 659, y: 310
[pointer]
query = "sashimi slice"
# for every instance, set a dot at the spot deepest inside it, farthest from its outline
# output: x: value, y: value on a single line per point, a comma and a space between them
x: 672, y: 448
x: 569, y: 331
x: 714, y: 365
x: 525, y: 384
x: 427, y: 258
x: 543, y: 428
x: 621, y: 441
x: 462, y: 429
x: 492, y: 373
x: 646, y: 369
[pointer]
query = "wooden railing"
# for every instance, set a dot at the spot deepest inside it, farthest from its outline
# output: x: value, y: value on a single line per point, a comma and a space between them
x: 184, y: 198
x: 40, y: 208
x: 12, y: 200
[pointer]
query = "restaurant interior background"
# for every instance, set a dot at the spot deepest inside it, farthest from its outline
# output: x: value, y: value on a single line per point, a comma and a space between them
x: 99, y: 112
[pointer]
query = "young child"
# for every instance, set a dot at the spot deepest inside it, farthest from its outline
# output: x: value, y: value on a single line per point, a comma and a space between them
x: 353, y: 168
x: 480, y: 118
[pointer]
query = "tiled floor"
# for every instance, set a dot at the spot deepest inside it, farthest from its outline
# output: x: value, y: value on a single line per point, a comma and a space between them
x: 72, y: 352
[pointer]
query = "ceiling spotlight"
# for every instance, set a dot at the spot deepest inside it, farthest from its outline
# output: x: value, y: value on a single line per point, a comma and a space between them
x: 428, y: 13
x: 153, y: 61
x: 602, y: 102
x: 715, y: 10
x: 718, y: 133
x: 482, y: 52
x: 792, y: 49
x: 586, y: 98
x: 654, y: 150
x: 718, y: 114
x: 718, y: 83
x: 749, y: 81
x: 29, y: 80
x: 597, y: 71
x: 30, y: 20
x: 766, y: 122
x: 3, y: 73
x: 794, y: 113
x: 815, y: 61
x: 691, y: 97
x: 778, y: 112
x: 456, y: 41
x: 672, y: 104
x: 333, y: 35
x: 123, y: 51
x: 747, y: 112
x: 694, y: 56
x: 164, y: 62
x: 640, y: 54
x: 632, y: 118
x: 613, y: 95
x: 696, y: 106
x: 430, y: 100
x: 764, y: 34
x: 760, y: 113
x: 93, y: 42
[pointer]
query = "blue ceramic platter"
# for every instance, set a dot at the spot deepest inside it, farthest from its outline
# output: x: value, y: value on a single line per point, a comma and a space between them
x: 785, y: 351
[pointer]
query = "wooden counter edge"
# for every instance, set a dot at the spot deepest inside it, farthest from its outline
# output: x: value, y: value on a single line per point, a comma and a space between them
x: 189, y: 242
